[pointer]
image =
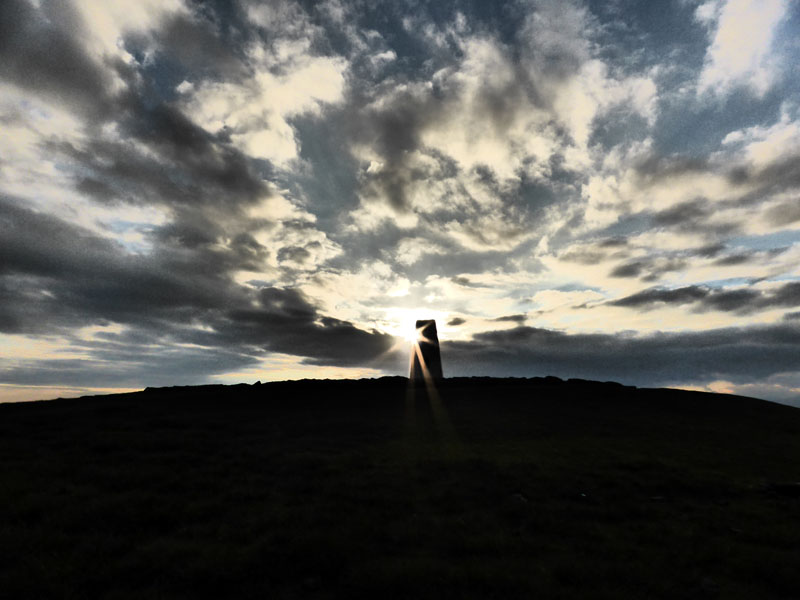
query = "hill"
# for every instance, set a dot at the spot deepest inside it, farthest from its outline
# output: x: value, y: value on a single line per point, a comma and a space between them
x: 371, y: 488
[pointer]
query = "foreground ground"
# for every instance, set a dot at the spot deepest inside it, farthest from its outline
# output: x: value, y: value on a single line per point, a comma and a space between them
x: 487, y: 488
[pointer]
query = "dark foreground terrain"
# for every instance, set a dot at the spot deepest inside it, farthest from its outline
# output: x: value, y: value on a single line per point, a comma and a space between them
x: 489, y: 488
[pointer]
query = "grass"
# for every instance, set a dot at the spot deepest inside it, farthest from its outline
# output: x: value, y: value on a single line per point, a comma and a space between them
x: 510, y: 488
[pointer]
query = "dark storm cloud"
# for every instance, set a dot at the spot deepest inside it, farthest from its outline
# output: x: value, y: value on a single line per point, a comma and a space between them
x: 777, y: 176
x: 649, y: 269
x: 648, y: 298
x: 787, y: 295
x: 745, y: 300
x: 655, y: 168
x: 734, y: 259
x: 184, y: 165
x: 461, y: 280
x: 741, y: 301
x: 284, y: 320
x: 735, y: 354
x: 584, y: 256
x: 81, y: 279
x: 195, y: 42
x: 55, y: 276
x: 615, y: 242
x: 456, y: 321
x: 633, y: 269
x: 40, y: 244
x: 135, y: 367
x: 784, y: 213
x: 40, y: 51
x: 709, y: 251
x: 512, y: 319
x: 693, y: 216
x: 191, y: 230
x: 682, y: 214
x: 294, y: 254
x: 660, y: 267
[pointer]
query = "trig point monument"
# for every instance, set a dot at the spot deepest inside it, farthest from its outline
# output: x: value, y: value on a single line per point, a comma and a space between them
x: 425, y: 354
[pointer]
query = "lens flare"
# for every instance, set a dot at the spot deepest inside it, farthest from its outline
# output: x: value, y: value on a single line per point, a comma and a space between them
x: 410, y: 332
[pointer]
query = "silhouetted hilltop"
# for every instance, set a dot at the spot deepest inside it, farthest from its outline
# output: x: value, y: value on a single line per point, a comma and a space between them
x: 342, y: 388
x: 481, y: 487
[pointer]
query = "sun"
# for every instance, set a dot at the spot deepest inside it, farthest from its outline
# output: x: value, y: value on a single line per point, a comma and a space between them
x: 410, y: 332
x: 401, y: 322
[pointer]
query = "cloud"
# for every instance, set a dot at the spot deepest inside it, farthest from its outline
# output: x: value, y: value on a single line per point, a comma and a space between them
x: 472, y: 149
x: 633, y: 269
x: 203, y: 170
x: 742, y: 33
x: 106, y: 24
x: 410, y: 250
x: 740, y: 355
x: 44, y: 58
x: 283, y: 320
x: 133, y: 368
x: 512, y: 319
x: 761, y: 146
x: 256, y: 114
x: 279, y: 187
x: 686, y: 214
x: 741, y: 300
x: 57, y: 277
x: 654, y: 296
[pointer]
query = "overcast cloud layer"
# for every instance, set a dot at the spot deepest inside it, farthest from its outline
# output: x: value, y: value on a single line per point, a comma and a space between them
x: 195, y: 192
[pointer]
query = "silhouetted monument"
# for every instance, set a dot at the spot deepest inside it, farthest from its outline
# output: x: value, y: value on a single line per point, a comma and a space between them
x: 425, y: 353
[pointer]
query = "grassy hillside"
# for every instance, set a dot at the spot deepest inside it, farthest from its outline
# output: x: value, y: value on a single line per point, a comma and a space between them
x: 364, y: 489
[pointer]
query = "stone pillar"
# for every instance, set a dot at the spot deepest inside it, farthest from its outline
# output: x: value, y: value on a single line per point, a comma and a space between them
x: 426, y: 348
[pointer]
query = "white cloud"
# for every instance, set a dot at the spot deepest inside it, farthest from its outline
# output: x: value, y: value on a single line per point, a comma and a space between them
x: 290, y: 233
x: 576, y: 85
x: 485, y: 295
x: 108, y: 21
x: 381, y: 58
x: 584, y: 97
x: 359, y: 295
x: 288, y: 81
x: 740, y: 52
x: 375, y: 212
x: 487, y: 232
x: 184, y: 86
x: 27, y: 121
x: 760, y: 145
x: 551, y: 300
x: 409, y: 250
x: 490, y: 121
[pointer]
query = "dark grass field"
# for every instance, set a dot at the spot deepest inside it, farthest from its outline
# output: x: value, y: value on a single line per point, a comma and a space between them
x: 490, y: 488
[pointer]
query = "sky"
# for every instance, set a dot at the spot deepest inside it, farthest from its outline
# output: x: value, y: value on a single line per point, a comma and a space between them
x: 219, y: 192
